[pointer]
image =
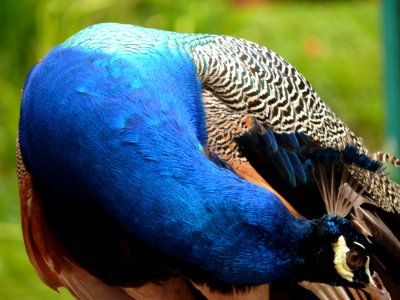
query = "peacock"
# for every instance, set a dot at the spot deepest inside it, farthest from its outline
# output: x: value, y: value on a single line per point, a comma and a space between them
x: 161, y: 165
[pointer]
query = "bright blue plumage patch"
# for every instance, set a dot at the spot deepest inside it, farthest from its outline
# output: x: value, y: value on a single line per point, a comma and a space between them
x: 77, y: 83
x: 113, y: 120
x: 123, y: 132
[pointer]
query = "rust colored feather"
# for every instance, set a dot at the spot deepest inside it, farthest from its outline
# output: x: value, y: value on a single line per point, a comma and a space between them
x: 39, y: 246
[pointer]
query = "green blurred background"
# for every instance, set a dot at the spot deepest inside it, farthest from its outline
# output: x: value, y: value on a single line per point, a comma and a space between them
x: 337, y: 45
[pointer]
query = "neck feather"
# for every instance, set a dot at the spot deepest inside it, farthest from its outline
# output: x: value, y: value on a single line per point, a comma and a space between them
x: 127, y: 135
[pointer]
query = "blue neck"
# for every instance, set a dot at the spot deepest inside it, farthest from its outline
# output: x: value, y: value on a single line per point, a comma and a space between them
x: 127, y: 134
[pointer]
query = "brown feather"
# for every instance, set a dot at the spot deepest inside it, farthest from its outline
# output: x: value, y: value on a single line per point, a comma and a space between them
x: 257, y: 293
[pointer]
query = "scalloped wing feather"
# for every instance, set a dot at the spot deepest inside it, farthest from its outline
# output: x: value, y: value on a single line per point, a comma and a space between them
x: 241, y: 78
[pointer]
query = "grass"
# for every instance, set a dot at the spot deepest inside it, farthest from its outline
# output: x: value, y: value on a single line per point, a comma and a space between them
x: 336, y: 45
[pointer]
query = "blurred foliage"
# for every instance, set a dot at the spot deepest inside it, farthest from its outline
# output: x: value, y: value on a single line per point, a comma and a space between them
x: 18, y: 279
x: 336, y: 45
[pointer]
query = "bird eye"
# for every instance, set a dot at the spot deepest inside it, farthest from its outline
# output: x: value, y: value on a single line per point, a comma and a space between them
x: 355, y: 259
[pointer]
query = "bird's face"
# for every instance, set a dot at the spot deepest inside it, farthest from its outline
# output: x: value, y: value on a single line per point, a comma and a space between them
x: 352, y: 261
x: 338, y: 254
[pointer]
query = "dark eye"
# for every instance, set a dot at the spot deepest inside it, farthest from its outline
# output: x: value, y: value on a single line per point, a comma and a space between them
x: 355, y: 259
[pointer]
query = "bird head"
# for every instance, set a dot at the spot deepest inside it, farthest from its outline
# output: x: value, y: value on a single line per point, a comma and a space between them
x: 338, y: 253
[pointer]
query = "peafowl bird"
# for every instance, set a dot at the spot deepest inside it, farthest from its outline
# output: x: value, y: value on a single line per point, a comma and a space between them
x: 160, y: 165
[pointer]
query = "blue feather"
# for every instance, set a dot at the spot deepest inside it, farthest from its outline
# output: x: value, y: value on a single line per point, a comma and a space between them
x: 138, y: 124
x: 286, y: 167
x: 125, y: 131
x: 298, y: 168
x: 288, y: 141
x: 278, y: 148
x: 351, y: 156
x: 270, y: 141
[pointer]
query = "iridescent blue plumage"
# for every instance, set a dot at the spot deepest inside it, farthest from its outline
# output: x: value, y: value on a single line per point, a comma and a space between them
x: 116, y: 122
x: 126, y: 133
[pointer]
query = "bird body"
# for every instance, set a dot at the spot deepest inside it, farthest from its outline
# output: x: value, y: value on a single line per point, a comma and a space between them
x: 134, y: 125
x: 134, y: 171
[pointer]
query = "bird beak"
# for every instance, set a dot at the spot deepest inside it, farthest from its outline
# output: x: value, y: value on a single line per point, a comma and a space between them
x: 376, y: 289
